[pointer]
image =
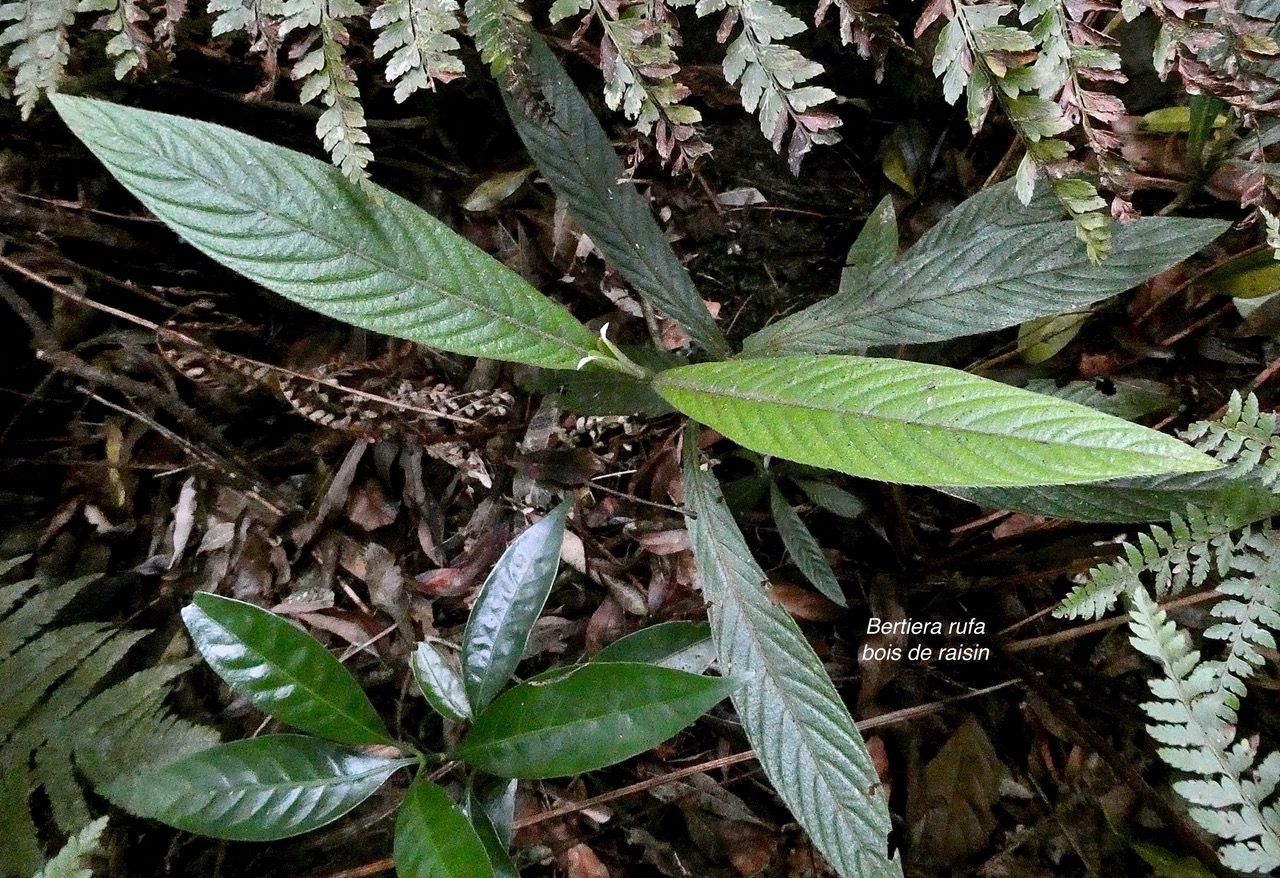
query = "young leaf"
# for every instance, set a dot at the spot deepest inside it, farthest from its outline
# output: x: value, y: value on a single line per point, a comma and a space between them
x: 915, y: 423
x: 990, y: 264
x: 284, y: 671
x: 876, y: 245
x: 681, y: 646
x: 574, y: 154
x: 803, y: 736
x: 440, y: 684
x: 261, y: 789
x: 434, y: 838
x: 804, y: 550
x: 835, y: 500
x: 509, y: 603
x: 586, y: 718
x: 298, y: 227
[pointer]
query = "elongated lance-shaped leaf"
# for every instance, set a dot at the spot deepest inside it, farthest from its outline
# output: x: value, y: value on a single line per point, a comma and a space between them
x: 299, y: 228
x: 915, y: 423
x: 803, y: 547
x: 991, y: 263
x: 802, y: 734
x: 573, y: 153
x: 876, y: 245
x: 261, y: 789
x: 285, y: 672
x: 508, y: 604
x: 489, y: 806
x: 440, y: 683
x: 434, y: 838
x: 683, y: 646
x: 586, y: 718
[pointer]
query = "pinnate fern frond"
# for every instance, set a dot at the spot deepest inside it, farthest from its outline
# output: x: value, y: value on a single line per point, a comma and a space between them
x: 1250, y: 609
x: 127, y: 20
x: 500, y: 30
x: 41, y: 50
x: 69, y: 862
x: 259, y: 19
x: 772, y: 77
x: 323, y: 72
x: 1171, y: 560
x: 1245, y: 438
x: 60, y: 721
x: 416, y: 37
x: 1232, y: 795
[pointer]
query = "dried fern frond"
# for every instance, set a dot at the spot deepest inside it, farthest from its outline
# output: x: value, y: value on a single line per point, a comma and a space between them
x: 59, y: 720
x: 872, y: 34
x: 41, y: 51
x: 1232, y: 794
x: 416, y: 35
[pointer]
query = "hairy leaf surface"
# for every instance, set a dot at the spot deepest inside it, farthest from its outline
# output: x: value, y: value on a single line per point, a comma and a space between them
x: 298, y: 227
x: 915, y: 423
x: 434, y: 838
x: 285, y: 672
x: 509, y: 603
x: 586, y: 718
x: 261, y: 789
x: 794, y: 718
x: 989, y: 264
x: 574, y: 154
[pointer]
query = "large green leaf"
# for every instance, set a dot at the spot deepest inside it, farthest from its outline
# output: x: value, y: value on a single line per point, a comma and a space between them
x: 298, y: 227
x: 285, y: 672
x: 434, y: 839
x: 509, y: 603
x: 915, y: 423
x: 803, y: 547
x: 256, y: 790
x: 586, y: 718
x: 574, y: 154
x: 682, y: 646
x: 803, y: 736
x: 989, y: 264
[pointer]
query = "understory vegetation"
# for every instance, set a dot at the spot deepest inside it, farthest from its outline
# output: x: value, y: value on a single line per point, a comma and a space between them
x: 717, y: 438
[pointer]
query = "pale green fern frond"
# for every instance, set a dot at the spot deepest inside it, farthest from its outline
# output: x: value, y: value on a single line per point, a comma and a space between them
x: 259, y: 19
x: 60, y: 720
x: 1194, y: 718
x: 126, y: 20
x: 1250, y: 609
x: 500, y: 29
x: 69, y: 862
x: 41, y: 50
x: 416, y: 35
x: 323, y: 72
x: 1244, y: 438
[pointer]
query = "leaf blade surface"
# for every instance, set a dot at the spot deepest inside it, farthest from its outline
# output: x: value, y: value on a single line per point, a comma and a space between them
x: 434, y: 839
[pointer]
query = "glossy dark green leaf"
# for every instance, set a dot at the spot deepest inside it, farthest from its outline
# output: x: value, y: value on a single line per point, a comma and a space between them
x: 434, y: 839
x: 876, y: 245
x: 440, y: 683
x: 575, y: 156
x: 586, y: 718
x: 794, y: 718
x: 284, y: 671
x: 989, y: 264
x: 681, y: 646
x: 298, y: 227
x: 508, y: 604
x: 256, y: 790
x: 803, y: 548
x: 915, y: 423
x: 488, y: 808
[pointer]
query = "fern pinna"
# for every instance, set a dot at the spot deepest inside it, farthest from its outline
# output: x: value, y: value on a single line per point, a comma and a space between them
x: 60, y: 718
x: 1232, y: 793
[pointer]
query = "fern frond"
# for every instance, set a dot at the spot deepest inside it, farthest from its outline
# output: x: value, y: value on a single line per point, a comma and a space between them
x: 872, y: 34
x: 41, y: 51
x: 1172, y: 560
x: 771, y: 76
x: 69, y: 862
x: 259, y: 19
x: 127, y: 20
x: 416, y: 35
x: 1251, y: 608
x: 500, y: 29
x: 1194, y: 718
x: 1245, y: 438
x: 324, y: 73
x: 58, y: 719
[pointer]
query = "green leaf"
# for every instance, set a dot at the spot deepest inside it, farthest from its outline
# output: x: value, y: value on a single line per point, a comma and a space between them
x: 794, y: 718
x: 1124, y: 399
x: 261, y: 789
x: 487, y: 807
x: 989, y: 264
x: 1151, y: 498
x: 298, y: 227
x: 915, y: 423
x: 876, y: 245
x: 586, y: 718
x: 508, y: 604
x: 434, y: 839
x: 804, y: 550
x: 835, y: 500
x: 285, y: 672
x: 440, y: 684
x: 681, y: 646
x: 574, y: 154
x: 595, y: 390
